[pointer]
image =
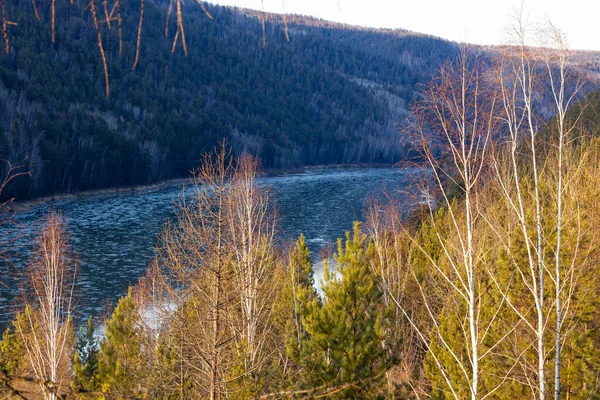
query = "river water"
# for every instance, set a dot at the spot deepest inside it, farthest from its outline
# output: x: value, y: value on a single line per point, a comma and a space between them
x: 114, y: 237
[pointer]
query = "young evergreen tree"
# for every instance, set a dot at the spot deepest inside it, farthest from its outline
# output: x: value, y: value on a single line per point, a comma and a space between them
x: 121, y: 366
x: 13, y: 362
x: 85, y: 363
x: 12, y: 359
x: 298, y: 293
x: 345, y: 331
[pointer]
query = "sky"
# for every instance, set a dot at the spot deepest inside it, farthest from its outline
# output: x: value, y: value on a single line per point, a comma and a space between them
x: 474, y: 21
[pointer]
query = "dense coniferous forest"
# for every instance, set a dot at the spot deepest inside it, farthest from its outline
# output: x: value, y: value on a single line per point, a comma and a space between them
x: 332, y: 94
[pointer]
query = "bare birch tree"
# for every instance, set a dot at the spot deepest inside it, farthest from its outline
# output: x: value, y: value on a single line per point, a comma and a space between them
x: 46, y: 330
x: 517, y: 99
x: 455, y: 124
x: 557, y: 65
x: 251, y: 222
x: 524, y: 166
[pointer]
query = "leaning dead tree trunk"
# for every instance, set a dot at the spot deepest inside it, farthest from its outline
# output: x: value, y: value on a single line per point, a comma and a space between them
x: 46, y: 329
x: 35, y: 10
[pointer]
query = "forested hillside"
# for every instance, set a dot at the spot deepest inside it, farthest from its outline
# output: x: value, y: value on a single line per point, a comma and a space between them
x: 332, y: 94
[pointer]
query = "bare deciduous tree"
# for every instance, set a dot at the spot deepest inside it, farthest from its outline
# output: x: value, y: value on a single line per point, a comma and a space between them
x: 195, y: 261
x: 456, y: 121
x: 251, y: 222
x: 217, y: 266
x: 527, y: 163
x: 46, y: 330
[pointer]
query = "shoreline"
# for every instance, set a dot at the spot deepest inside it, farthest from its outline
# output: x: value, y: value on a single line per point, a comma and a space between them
x: 115, y: 191
x: 305, y: 168
x: 26, y: 205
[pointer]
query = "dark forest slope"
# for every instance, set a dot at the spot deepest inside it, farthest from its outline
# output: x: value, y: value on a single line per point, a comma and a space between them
x: 333, y: 94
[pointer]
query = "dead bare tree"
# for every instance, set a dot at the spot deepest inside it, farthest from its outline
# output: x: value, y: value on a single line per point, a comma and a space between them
x: 169, y: 10
x: 180, y: 30
x: 201, y: 3
x: 263, y: 21
x: 106, y: 16
x: 285, y: 23
x: 9, y: 173
x: 117, y: 6
x: 35, y: 10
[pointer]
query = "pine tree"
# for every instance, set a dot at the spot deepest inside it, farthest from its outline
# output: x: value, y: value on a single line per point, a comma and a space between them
x: 298, y: 293
x: 85, y: 364
x: 12, y: 358
x: 345, y: 331
x: 121, y: 366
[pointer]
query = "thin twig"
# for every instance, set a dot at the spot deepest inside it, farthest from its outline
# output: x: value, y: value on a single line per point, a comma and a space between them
x: 204, y: 9
x: 100, y: 46
x: 139, y: 36
x: 263, y: 21
x: 35, y: 10
x: 53, y: 18
x: 119, y: 25
x: 169, y: 10
x: 5, y: 24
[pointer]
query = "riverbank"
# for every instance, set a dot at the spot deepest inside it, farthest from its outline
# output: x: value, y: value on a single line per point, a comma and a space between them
x: 305, y: 168
x: 26, y: 205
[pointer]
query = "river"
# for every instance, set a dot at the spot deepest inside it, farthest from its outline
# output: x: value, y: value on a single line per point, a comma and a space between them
x: 114, y: 236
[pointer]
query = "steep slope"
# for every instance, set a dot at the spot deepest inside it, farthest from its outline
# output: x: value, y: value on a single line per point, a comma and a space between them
x: 332, y: 94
